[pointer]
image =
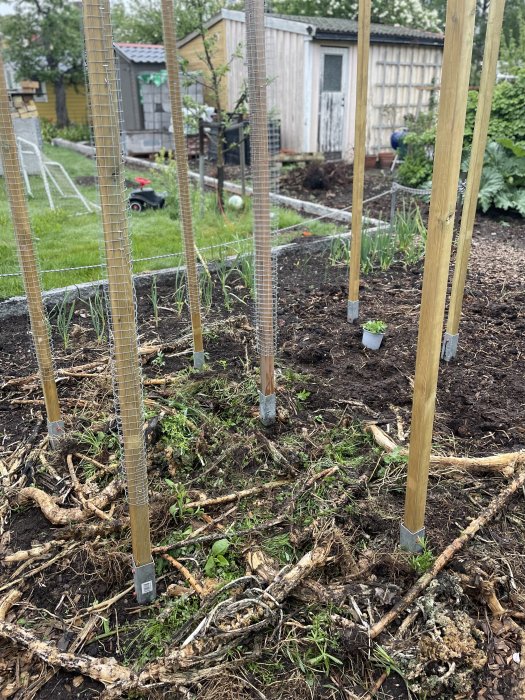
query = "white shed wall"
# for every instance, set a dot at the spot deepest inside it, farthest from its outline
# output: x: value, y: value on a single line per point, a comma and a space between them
x: 285, y: 61
x: 402, y: 78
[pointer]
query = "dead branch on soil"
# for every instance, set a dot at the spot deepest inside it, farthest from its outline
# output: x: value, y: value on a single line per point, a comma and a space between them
x: 259, y: 609
x: 447, y: 555
x: 33, y: 553
x: 228, y: 498
x: 503, y: 463
x: 32, y: 572
x: 187, y: 574
x: 65, y: 516
x: 7, y: 603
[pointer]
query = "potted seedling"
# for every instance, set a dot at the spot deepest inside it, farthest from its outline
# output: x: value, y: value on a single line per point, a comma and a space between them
x: 373, y: 332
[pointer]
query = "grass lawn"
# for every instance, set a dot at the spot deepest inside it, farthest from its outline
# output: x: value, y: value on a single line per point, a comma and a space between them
x: 70, y: 237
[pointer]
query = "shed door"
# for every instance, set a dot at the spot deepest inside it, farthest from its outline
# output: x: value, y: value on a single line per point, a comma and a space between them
x: 334, y: 71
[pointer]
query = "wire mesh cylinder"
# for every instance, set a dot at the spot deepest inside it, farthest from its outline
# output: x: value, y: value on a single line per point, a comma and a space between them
x: 181, y: 156
x: 27, y: 257
x: 106, y: 120
x: 264, y: 281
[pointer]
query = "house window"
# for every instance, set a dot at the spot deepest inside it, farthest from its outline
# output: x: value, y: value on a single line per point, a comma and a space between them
x: 10, y: 75
x: 332, y: 72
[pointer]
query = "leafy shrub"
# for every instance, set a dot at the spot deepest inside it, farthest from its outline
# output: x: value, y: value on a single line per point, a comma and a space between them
x: 73, y: 132
x: 507, y: 118
x: 503, y: 179
x: 417, y: 164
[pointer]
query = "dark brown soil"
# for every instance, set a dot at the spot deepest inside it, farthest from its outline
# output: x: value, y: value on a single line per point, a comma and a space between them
x: 326, y: 382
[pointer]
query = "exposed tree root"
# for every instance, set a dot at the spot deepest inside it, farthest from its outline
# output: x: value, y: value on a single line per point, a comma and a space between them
x: 7, y: 603
x: 65, y: 516
x: 446, y: 556
x: 33, y: 553
x: 173, y: 669
x: 187, y: 574
x: 503, y: 463
x: 228, y: 498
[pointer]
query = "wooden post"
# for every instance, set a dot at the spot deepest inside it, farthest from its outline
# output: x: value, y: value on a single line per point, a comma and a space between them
x: 28, y: 261
x: 105, y: 115
x: 181, y: 156
x: 457, y: 56
x: 363, y: 51
x: 479, y: 143
x: 260, y: 160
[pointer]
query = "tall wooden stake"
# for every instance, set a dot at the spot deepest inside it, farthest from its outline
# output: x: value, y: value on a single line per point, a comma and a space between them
x: 363, y: 51
x: 181, y: 155
x: 457, y: 56
x: 257, y: 90
x: 28, y: 261
x: 479, y: 142
x: 105, y: 115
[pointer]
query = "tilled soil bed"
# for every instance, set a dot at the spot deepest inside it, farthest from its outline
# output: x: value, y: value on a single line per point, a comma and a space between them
x: 341, y: 498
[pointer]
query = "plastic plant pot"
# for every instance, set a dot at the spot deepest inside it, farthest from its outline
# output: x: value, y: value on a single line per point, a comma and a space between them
x: 372, y: 341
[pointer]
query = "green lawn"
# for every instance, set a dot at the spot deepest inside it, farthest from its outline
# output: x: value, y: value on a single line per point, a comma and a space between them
x: 66, y: 238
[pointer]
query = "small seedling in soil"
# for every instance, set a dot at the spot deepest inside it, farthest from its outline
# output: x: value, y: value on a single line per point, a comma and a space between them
x: 303, y: 395
x: 180, y: 292
x: 159, y: 360
x: 245, y: 268
x: 206, y: 285
x: 154, y: 298
x: 97, y: 312
x: 217, y: 562
x: 421, y: 563
x: 63, y: 314
x: 375, y: 327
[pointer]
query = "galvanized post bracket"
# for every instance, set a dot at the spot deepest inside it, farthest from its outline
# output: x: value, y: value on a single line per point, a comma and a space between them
x: 267, y: 409
x: 411, y: 541
x: 198, y: 359
x: 55, y: 430
x: 145, y: 584
x: 352, y: 312
x: 449, y: 348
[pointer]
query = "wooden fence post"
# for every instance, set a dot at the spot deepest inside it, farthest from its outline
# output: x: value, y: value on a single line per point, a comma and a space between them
x: 28, y: 261
x: 105, y: 116
x: 181, y: 155
x: 457, y: 57
x: 479, y: 143
x: 363, y: 51
x: 260, y: 160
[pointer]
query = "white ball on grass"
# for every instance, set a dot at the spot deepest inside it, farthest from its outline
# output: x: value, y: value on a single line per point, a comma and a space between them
x: 236, y: 202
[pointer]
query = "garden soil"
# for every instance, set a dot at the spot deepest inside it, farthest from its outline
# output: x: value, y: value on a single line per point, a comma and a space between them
x: 329, y: 387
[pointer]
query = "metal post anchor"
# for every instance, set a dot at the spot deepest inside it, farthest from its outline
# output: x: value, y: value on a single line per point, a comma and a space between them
x: 352, y: 311
x: 55, y: 430
x: 267, y: 409
x: 411, y: 541
x: 449, y: 348
x: 198, y: 359
x: 145, y: 584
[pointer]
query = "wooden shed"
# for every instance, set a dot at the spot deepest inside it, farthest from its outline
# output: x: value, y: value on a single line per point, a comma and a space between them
x: 312, y: 69
x: 146, y: 108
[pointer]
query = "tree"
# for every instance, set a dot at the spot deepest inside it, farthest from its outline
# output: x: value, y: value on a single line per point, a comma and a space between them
x: 408, y: 13
x: 44, y: 42
x: 141, y: 22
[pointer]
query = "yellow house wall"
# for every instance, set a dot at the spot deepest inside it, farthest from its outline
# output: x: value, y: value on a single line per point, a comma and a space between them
x: 194, y: 49
x: 76, y: 105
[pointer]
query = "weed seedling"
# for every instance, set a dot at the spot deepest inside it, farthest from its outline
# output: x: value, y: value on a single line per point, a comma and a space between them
x: 97, y: 313
x: 180, y: 292
x: 154, y: 298
x: 245, y: 268
x: 422, y: 562
x: 63, y: 314
x: 217, y: 562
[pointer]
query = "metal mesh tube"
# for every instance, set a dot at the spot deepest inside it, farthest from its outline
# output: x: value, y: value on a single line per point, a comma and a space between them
x: 27, y: 258
x: 181, y: 156
x: 105, y: 115
x: 257, y: 91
